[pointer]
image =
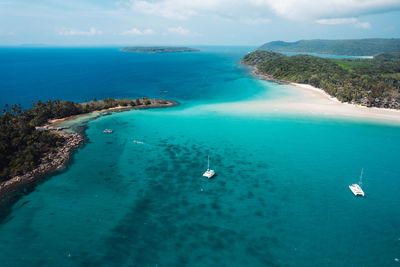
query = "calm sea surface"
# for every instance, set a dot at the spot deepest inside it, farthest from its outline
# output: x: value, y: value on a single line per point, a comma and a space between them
x: 280, y: 197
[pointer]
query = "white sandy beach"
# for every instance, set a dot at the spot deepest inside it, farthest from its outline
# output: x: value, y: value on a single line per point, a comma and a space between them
x: 305, y: 99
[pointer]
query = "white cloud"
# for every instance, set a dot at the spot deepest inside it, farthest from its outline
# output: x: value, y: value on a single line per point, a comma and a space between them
x: 256, y: 21
x: 363, y: 25
x: 315, y: 9
x: 307, y: 10
x: 135, y: 31
x: 185, y: 9
x: 175, y: 9
x: 337, y: 21
x: 71, y: 32
x: 178, y: 30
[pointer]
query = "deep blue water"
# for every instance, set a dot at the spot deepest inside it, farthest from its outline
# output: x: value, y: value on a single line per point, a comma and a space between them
x: 280, y: 197
x: 77, y: 74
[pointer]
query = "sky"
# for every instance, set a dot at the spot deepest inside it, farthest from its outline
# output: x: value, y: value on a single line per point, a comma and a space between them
x: 193, y: 22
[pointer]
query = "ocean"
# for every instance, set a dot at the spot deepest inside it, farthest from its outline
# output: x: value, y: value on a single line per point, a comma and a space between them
x: 280, y: 196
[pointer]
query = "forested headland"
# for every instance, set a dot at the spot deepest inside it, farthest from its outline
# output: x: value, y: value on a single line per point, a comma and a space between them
x: 23, y: 146
x: 370, y: 82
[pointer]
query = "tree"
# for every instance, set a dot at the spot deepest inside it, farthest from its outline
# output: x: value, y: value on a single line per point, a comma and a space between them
x: 146, y: 101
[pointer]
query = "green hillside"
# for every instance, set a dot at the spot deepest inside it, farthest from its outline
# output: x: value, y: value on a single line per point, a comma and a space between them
x: 371, y: 82
x: 358, y: 47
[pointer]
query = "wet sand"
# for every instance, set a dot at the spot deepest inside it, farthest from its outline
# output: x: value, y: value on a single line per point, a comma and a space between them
x: 304, y: 99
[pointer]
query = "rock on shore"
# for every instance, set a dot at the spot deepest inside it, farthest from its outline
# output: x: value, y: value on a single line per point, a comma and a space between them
x: 53, y: 161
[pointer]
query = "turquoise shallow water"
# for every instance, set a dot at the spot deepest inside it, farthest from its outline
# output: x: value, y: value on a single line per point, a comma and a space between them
x: 280, y: 197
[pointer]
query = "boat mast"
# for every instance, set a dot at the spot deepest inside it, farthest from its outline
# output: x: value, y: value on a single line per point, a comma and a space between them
x: 208, y: 162
x: 362, y: 171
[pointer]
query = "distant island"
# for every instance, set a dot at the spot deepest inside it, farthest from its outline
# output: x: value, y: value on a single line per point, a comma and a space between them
x: 358, y: 47
x: 158, y: 49
x: 31, y: 145
x: 369, y: 82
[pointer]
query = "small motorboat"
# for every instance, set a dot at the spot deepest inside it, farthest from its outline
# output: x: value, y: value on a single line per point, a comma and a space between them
x: 108, y: 131
x: 138, y: 142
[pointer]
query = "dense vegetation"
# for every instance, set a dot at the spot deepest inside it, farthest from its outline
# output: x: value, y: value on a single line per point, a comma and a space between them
x: 359, y: 47
x: 158, y: 49
x: 22, y: 146
x: 371, y: 82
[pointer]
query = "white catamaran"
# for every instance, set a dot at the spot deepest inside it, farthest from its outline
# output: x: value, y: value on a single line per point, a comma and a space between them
x: 209, y: 173
x: 356, y: 188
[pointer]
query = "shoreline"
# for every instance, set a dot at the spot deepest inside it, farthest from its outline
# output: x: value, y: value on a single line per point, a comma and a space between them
x: 60, y: 157
x: 264, y: 76
x: 55, y: 122
x: 53, y: 161
x: 315, y: 101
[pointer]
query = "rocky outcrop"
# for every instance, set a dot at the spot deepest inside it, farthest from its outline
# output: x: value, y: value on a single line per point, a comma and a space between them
x: 53, y: 161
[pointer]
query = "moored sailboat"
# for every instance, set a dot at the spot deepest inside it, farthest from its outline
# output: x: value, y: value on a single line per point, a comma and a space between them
x: 209, y: 173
